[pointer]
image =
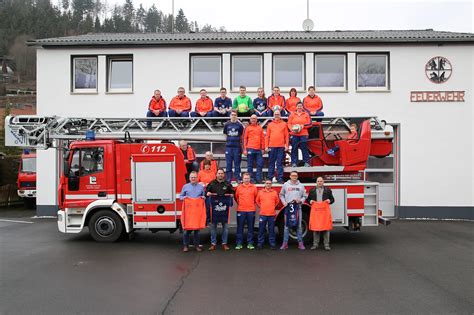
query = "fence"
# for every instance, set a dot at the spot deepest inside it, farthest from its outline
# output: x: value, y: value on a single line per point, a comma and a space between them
x: 9, y: 196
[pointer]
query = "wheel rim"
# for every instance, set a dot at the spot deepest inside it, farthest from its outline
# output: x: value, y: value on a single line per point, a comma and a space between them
x: 304, y: 230
x: 105, y: 226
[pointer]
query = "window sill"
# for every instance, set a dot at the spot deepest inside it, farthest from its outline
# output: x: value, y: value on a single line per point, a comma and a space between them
x: 84, y: 93
x: 373, y: 91
x: 332, y: 91
x: 118, y: 92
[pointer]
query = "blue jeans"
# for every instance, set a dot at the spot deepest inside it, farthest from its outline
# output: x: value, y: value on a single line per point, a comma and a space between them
x: 242, y: 218
x: 253, y: 154
x: 320, y: 114
x: 172, y: 113
x: 299, y: 232
x: 299, y: 142
x: 276, y: 156
x: 196, y: 114
x: 151, y: 114
x: 186, y: 237
x: 263, y: 114
x: 233, y: 156
x: 217, y: 114
x: 225, y: 233
x: 262, y: 223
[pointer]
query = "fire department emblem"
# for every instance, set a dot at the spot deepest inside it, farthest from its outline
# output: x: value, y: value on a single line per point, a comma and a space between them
x: 438, y: 69
x: 145, y: 149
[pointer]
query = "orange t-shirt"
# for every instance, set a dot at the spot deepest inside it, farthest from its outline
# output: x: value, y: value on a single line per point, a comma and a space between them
x: 267, y: 200
x: 277, y: 135
x: 193, y: 216
x: 204, y: 105
x: 274, y: 100
x: 254, y: 138
x: 159, y: 104
x: 245, y: 196
x: 313, y: 104
x: 291, y: 103
x: 213, y: 166
x: 183, y: 104
x: 302, y: 119
x: 206, y: 176
x: 320, y: 218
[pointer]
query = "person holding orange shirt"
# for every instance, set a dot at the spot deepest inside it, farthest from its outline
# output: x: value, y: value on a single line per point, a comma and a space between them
x: 254, y: 146
x: 156, y: 107
x: 204, y: 106
x: 276, y: 101
x: 292, y: 101
x: 276, y: 143
x: 267, y: 200
x: 245, y: 196
x: 180, y: 105
x: 313, y: 103
x: 298, y: 123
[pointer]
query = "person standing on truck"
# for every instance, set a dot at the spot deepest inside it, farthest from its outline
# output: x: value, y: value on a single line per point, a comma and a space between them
x: 233, y: 130
x: 243, y: 103
x: 260, y: 104
x: 222, y: 104
x: 219, y: 188
x: 254, y: 146
x: 313, y: 103
x: 245, y: 196
x: 189, y: 158
x: 204, y: 106
x: 292, y: 101
x: 156, y: 107
x: 208, y: 156
x: 276, y: 101
x: 298, y: 124
x: 180, y: 105
x: 276, y: 143
x: 292, y: 195
x: 320, y: 193
x: 191, y: 190
x: 267, y: 200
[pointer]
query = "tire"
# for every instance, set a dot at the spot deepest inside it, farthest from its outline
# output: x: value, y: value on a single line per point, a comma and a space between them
x: 307, y: 235
x: 105, y: 226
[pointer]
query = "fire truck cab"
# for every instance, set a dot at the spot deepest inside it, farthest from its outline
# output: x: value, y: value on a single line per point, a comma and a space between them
x: 26, y: 180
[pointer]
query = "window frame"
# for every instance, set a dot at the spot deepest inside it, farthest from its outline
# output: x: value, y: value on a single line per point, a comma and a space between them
x: 194, y: 89
x: 344, y: 88
x: 303, y: 79
x: 75, y: 90
x: 110, y: 59
x: 249, y: 88
x: 385, y: 88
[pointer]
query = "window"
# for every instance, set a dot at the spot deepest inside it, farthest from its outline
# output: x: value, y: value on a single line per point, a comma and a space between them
x: 87, y: 161
x: 84, y: 75
x: 288, y: 71
x: 247, y: 71
x: 28, y: 165
x: 330, y: 72
x: 120, y: 74
x: 372, y: 72
x: 205, y: 72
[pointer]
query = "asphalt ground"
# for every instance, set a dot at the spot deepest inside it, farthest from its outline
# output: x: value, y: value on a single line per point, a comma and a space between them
x: 406, y: 268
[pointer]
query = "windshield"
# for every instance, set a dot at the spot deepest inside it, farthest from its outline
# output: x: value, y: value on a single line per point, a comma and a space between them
x: 28, y: 165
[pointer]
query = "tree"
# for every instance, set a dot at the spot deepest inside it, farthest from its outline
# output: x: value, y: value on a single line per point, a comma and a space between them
x: 140, y: 17
x: 97, y: 26
x: 128, y: 12
x: 181, y: 23
x: 152, y: 20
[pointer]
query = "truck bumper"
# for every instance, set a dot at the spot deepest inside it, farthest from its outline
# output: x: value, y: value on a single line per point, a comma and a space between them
x: 62, y: 221
x: 24, y: 193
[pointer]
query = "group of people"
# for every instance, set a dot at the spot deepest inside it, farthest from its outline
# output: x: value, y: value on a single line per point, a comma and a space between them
x: 222, y: 106
x: 215, y: 199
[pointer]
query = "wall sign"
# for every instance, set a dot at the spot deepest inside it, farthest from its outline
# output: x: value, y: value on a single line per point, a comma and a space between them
x: 437, y: 96
x: 438, y: 69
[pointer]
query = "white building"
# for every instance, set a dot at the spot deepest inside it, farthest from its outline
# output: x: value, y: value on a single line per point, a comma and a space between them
x: 421, y: 81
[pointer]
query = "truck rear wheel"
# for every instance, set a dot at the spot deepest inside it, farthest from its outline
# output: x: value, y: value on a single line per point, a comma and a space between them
x: 105, y: 226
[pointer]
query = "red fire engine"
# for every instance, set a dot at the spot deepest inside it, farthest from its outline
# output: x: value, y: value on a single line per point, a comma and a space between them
x: 118, y: 178
x: 26, y: 180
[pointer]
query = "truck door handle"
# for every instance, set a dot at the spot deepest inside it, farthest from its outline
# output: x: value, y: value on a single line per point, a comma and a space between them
x: 102, y: 194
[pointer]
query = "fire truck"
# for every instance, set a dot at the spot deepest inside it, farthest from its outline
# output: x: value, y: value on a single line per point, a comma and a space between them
x: 26, y: 180
x: 118, y: 176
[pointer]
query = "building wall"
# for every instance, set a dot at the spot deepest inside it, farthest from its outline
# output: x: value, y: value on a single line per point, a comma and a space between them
x: 436, y: 150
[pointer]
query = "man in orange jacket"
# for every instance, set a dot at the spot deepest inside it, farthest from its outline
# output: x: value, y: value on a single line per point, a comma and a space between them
x: 180, y: 105
x: 276, y: 101
x: 254, y: 146
x: 189, y: 158
x: 298, y: 123
x: 313, y: 103
x: 276, y: 143
x: 204, y: 105
x: 156, y: 107
x: 245, y: 196
x: 267, y: 201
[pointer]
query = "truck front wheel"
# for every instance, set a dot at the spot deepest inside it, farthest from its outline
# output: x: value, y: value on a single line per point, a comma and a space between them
x: 105, y: 226
x: 306, y: 233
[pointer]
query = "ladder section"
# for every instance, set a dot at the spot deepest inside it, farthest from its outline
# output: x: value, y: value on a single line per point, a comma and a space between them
x: 40, y: 131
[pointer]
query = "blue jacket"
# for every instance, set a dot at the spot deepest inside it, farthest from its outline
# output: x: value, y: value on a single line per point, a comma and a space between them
x: 233, y: 131
x: 260, y: 104
x: 220, y: 103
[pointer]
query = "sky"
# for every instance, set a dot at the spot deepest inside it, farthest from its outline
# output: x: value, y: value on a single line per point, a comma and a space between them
x: 282, y: 15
